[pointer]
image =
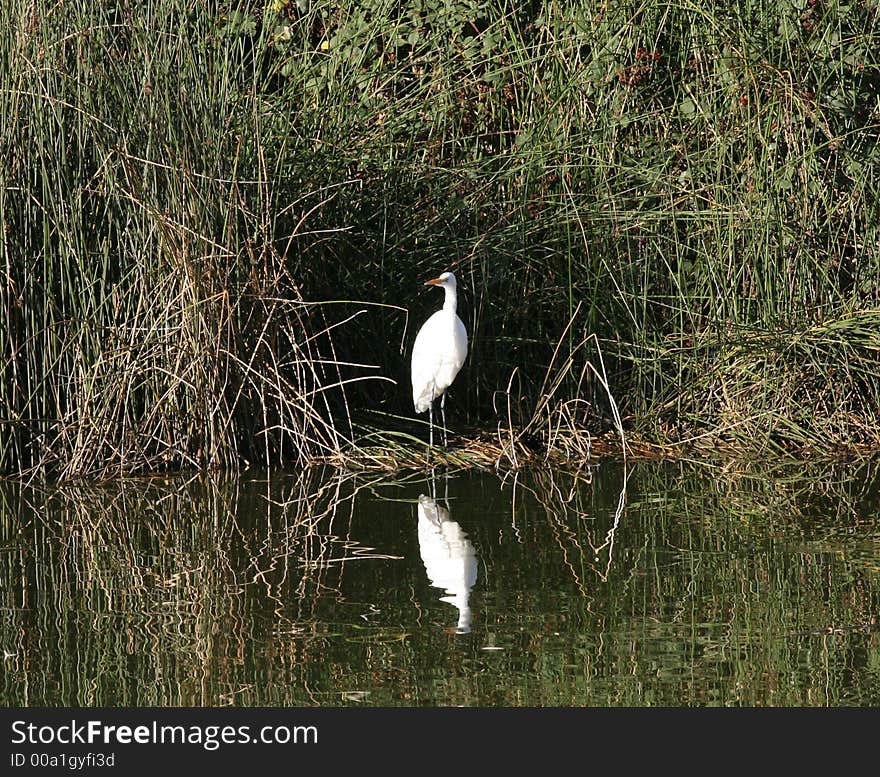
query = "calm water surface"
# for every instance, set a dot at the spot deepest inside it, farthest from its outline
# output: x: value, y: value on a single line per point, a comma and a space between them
x: 659, y: 584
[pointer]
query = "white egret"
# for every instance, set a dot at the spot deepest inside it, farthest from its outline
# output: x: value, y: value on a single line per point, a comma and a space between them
x: 440, y: 349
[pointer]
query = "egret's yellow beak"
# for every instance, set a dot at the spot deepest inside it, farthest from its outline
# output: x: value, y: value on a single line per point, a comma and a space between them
x: 433, y: 282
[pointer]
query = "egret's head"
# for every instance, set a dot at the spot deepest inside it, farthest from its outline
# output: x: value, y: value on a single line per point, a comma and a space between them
x: 444, y: 279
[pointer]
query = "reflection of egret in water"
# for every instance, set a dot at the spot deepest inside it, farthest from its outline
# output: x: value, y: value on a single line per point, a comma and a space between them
x: 449, y: 557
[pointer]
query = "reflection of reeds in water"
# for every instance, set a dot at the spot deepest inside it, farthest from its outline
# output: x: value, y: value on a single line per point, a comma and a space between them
x: 789, y: 493
x: 178, y: 580
x: 710, y: 586
x: 136, y: 570
x: 709, y: 517
x: 718, y: 582
x: 584, y: 534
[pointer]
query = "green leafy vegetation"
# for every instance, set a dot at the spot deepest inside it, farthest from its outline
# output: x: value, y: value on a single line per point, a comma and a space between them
x: 215, y: 215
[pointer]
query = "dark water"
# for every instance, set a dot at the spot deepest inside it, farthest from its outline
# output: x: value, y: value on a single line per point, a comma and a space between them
x: 667, y: 584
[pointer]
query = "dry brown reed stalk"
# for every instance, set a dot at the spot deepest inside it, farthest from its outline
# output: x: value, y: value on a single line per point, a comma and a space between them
x: 194, y: 372
x: 559, y: 423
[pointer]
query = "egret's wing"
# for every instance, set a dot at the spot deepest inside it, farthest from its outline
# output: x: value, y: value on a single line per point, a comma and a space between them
x: 426, y: 358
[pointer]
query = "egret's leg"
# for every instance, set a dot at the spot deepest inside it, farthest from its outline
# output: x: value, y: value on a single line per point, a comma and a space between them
x: 430, y: 428
x: 443, y: 415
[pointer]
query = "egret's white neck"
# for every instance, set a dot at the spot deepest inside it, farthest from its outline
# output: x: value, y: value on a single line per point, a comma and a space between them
x: 450, y: 303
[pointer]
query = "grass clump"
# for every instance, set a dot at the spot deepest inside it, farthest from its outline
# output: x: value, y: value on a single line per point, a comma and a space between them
x: 150, y: 320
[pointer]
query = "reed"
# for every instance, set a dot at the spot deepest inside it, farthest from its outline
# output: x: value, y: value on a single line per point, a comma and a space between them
x: 199, y: 199
x: 150, y: 320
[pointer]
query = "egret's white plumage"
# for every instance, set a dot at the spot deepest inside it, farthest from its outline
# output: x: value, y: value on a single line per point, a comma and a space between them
x: 440, y: 349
